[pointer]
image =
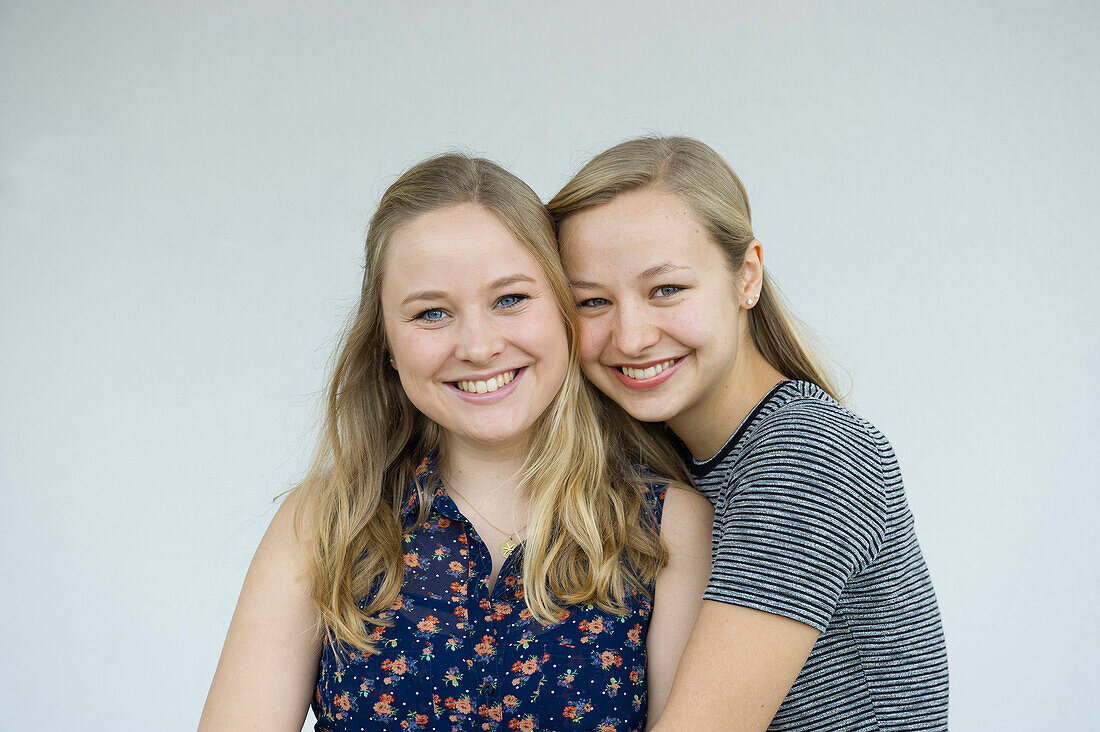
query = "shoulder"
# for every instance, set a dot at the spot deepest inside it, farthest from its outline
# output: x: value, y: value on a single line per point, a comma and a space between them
x: 288, y: 536
x: 816, y: 435
x: 268, y: 665
x: 811, y: 460
x: 687, y: 521
x: 676, y: 506
x: 684, y: 506
x: 816, y: 417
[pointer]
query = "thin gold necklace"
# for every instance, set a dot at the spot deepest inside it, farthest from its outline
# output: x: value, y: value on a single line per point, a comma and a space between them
x: 508, y: 545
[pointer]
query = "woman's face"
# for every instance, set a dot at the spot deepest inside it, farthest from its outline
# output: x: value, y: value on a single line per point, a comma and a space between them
x: 658, y: 305
x: 473, y: 326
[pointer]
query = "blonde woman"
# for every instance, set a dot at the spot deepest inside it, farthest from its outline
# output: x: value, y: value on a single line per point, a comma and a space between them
x: 819, y: 612
x: 471, y: 548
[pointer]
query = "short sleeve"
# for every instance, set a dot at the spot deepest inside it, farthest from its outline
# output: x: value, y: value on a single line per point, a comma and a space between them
x: 804, y: 512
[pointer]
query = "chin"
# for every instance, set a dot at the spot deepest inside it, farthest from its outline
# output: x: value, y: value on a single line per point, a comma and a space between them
x: 648, y: 412
x: 495, y: 434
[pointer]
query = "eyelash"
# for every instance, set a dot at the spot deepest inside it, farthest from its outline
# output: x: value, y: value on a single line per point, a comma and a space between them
x: 423, y: 315
x: 518, y: 296
x: 675, y: 288
x: 596, y: 302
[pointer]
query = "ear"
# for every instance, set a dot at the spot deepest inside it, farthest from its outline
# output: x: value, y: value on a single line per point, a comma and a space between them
x: 752, y: 275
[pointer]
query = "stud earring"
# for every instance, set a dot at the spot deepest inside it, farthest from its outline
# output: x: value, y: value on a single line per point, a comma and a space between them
x: 392, y: 362
x: 750, y: 301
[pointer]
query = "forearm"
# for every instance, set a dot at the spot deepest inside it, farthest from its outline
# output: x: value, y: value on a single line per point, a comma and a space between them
x: 736, y: 670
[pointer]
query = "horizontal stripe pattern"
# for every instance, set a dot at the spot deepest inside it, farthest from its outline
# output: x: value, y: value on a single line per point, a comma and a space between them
x: 811, y: 523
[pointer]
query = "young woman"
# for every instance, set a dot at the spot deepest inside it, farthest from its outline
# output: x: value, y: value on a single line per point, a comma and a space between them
x: 819, y: 612
x: 470, y: 549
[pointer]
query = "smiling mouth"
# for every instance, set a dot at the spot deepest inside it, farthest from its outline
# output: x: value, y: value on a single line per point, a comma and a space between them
x: 646, y: 373
x: 488, y: 385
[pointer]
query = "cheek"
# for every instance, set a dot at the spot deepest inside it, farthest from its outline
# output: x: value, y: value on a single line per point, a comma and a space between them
x: 558, y: 344
x: 692, y: 327
x: 593, y: 338
x: 542, y: 334
x: 419, y: 353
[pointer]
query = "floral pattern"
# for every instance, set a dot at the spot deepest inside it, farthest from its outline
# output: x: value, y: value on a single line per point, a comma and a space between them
x: 459, y: 657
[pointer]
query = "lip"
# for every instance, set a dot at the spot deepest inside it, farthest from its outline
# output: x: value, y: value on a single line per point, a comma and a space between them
x: 650, y: 383
x: 490, y: 396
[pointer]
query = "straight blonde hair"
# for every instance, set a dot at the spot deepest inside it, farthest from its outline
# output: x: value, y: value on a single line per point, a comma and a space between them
x: 591, y: 537
x: 708, y: 185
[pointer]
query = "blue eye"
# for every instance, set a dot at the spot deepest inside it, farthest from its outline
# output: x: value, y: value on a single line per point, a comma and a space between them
x: 593, y: 302
x: 510, y: 301
x: 667, y: 290
x: 432, y: 315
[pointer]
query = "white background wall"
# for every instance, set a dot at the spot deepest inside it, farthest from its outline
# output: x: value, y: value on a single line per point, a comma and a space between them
x: 183, y: 192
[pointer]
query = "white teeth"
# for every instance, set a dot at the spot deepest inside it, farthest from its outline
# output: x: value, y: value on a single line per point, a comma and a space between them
x: 486, y: 386
x: 647, y: 373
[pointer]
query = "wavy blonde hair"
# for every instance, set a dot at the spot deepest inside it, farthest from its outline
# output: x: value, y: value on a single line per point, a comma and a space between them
x: 590, y: 537
x: 707, y: 184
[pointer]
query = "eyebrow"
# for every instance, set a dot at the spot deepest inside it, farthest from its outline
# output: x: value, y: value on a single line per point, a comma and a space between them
x: 657, y: 270
x: 425, y: 295
x: 506, y: 281
x: 510, y: 280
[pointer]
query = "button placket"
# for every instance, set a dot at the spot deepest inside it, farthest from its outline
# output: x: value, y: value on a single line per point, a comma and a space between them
x: 484, y: 626
x: 501, y: 628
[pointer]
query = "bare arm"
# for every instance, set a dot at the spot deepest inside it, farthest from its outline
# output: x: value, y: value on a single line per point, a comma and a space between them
x: 268, y: 666
x: 737, y: 668
x: 804, y: 518
x: 685, y: 529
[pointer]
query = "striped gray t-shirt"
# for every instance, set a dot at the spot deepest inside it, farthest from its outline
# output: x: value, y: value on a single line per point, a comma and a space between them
x: 811, y: 523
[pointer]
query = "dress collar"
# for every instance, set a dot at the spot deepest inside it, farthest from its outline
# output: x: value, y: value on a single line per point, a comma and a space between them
x: 426, y: 481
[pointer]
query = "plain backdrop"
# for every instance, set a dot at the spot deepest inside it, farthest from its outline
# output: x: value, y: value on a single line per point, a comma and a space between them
x: 184, y: 189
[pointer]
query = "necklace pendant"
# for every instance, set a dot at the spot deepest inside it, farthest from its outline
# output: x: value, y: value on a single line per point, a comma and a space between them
x: 507, y: 547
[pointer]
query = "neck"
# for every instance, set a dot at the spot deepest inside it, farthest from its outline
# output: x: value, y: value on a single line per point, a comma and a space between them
x: 707, y: 426
x: 481, y: 471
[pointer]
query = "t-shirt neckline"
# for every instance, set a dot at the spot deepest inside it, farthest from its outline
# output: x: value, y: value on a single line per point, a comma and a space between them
x: 700, y: 468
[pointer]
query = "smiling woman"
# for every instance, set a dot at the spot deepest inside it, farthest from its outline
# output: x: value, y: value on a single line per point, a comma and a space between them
x: 468, y: 311
x: 473, y: 547
x: 819, y: 612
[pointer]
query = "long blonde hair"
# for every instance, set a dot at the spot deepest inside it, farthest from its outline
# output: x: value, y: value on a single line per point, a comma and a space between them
x: 590, y: 538
x: 698, y: 175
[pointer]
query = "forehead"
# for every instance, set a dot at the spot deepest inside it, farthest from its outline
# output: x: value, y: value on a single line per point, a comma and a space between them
x: 458, y: 247
x: 629, y: 233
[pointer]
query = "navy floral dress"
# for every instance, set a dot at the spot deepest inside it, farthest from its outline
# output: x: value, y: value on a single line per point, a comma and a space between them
x: 461, y: 658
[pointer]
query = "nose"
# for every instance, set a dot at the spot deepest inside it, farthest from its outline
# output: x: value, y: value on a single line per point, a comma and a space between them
x: 479, y: 339
x: 634, y: 330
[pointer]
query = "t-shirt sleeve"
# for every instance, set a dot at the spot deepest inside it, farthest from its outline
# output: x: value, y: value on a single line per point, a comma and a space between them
x: 806, y: 513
